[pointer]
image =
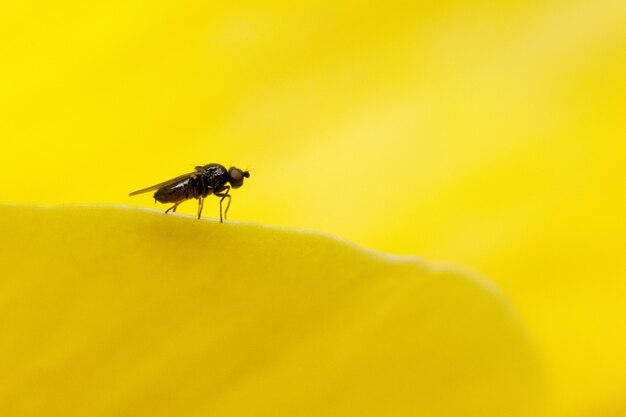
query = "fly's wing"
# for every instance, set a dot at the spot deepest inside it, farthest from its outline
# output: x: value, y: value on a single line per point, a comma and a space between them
x: 165, y: 184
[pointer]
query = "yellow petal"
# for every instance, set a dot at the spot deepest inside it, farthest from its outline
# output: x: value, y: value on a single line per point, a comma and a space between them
x: 115, y: 311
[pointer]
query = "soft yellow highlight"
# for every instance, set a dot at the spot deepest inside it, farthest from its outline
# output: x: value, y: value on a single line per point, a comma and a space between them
x: 125, y: 312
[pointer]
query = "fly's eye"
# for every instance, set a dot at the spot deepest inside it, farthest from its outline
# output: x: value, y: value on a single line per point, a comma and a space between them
x: 236, y: 177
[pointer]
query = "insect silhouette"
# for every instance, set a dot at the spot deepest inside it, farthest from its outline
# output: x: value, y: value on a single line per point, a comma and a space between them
x: 204, y: 181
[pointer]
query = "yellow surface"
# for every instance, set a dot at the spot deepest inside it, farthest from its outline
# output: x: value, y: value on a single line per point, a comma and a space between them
x: 125, y: 312
x: 480, y: 134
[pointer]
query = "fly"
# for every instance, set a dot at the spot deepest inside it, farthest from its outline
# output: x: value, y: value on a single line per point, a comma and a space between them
x: 204, y: 181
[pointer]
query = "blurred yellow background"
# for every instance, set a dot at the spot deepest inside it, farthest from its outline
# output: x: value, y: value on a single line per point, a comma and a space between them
x: 489, y: 136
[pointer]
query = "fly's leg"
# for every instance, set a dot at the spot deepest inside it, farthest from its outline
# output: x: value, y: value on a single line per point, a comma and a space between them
x: 224, y: 194
x: 227, y: 205
x: 200, y: 206
x: 173, y: 208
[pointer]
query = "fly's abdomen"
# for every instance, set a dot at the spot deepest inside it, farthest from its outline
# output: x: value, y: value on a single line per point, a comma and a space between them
x: 175, y: 192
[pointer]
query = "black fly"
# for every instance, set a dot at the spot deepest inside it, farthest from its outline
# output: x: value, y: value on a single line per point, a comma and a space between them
x: 204, y: 181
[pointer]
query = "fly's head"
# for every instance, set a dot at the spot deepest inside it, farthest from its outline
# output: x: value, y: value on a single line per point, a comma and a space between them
x: 237, y: 176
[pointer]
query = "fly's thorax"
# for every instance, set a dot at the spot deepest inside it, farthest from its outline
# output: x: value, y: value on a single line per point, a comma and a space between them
x: 211, y: 181
x: 214, y: 170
